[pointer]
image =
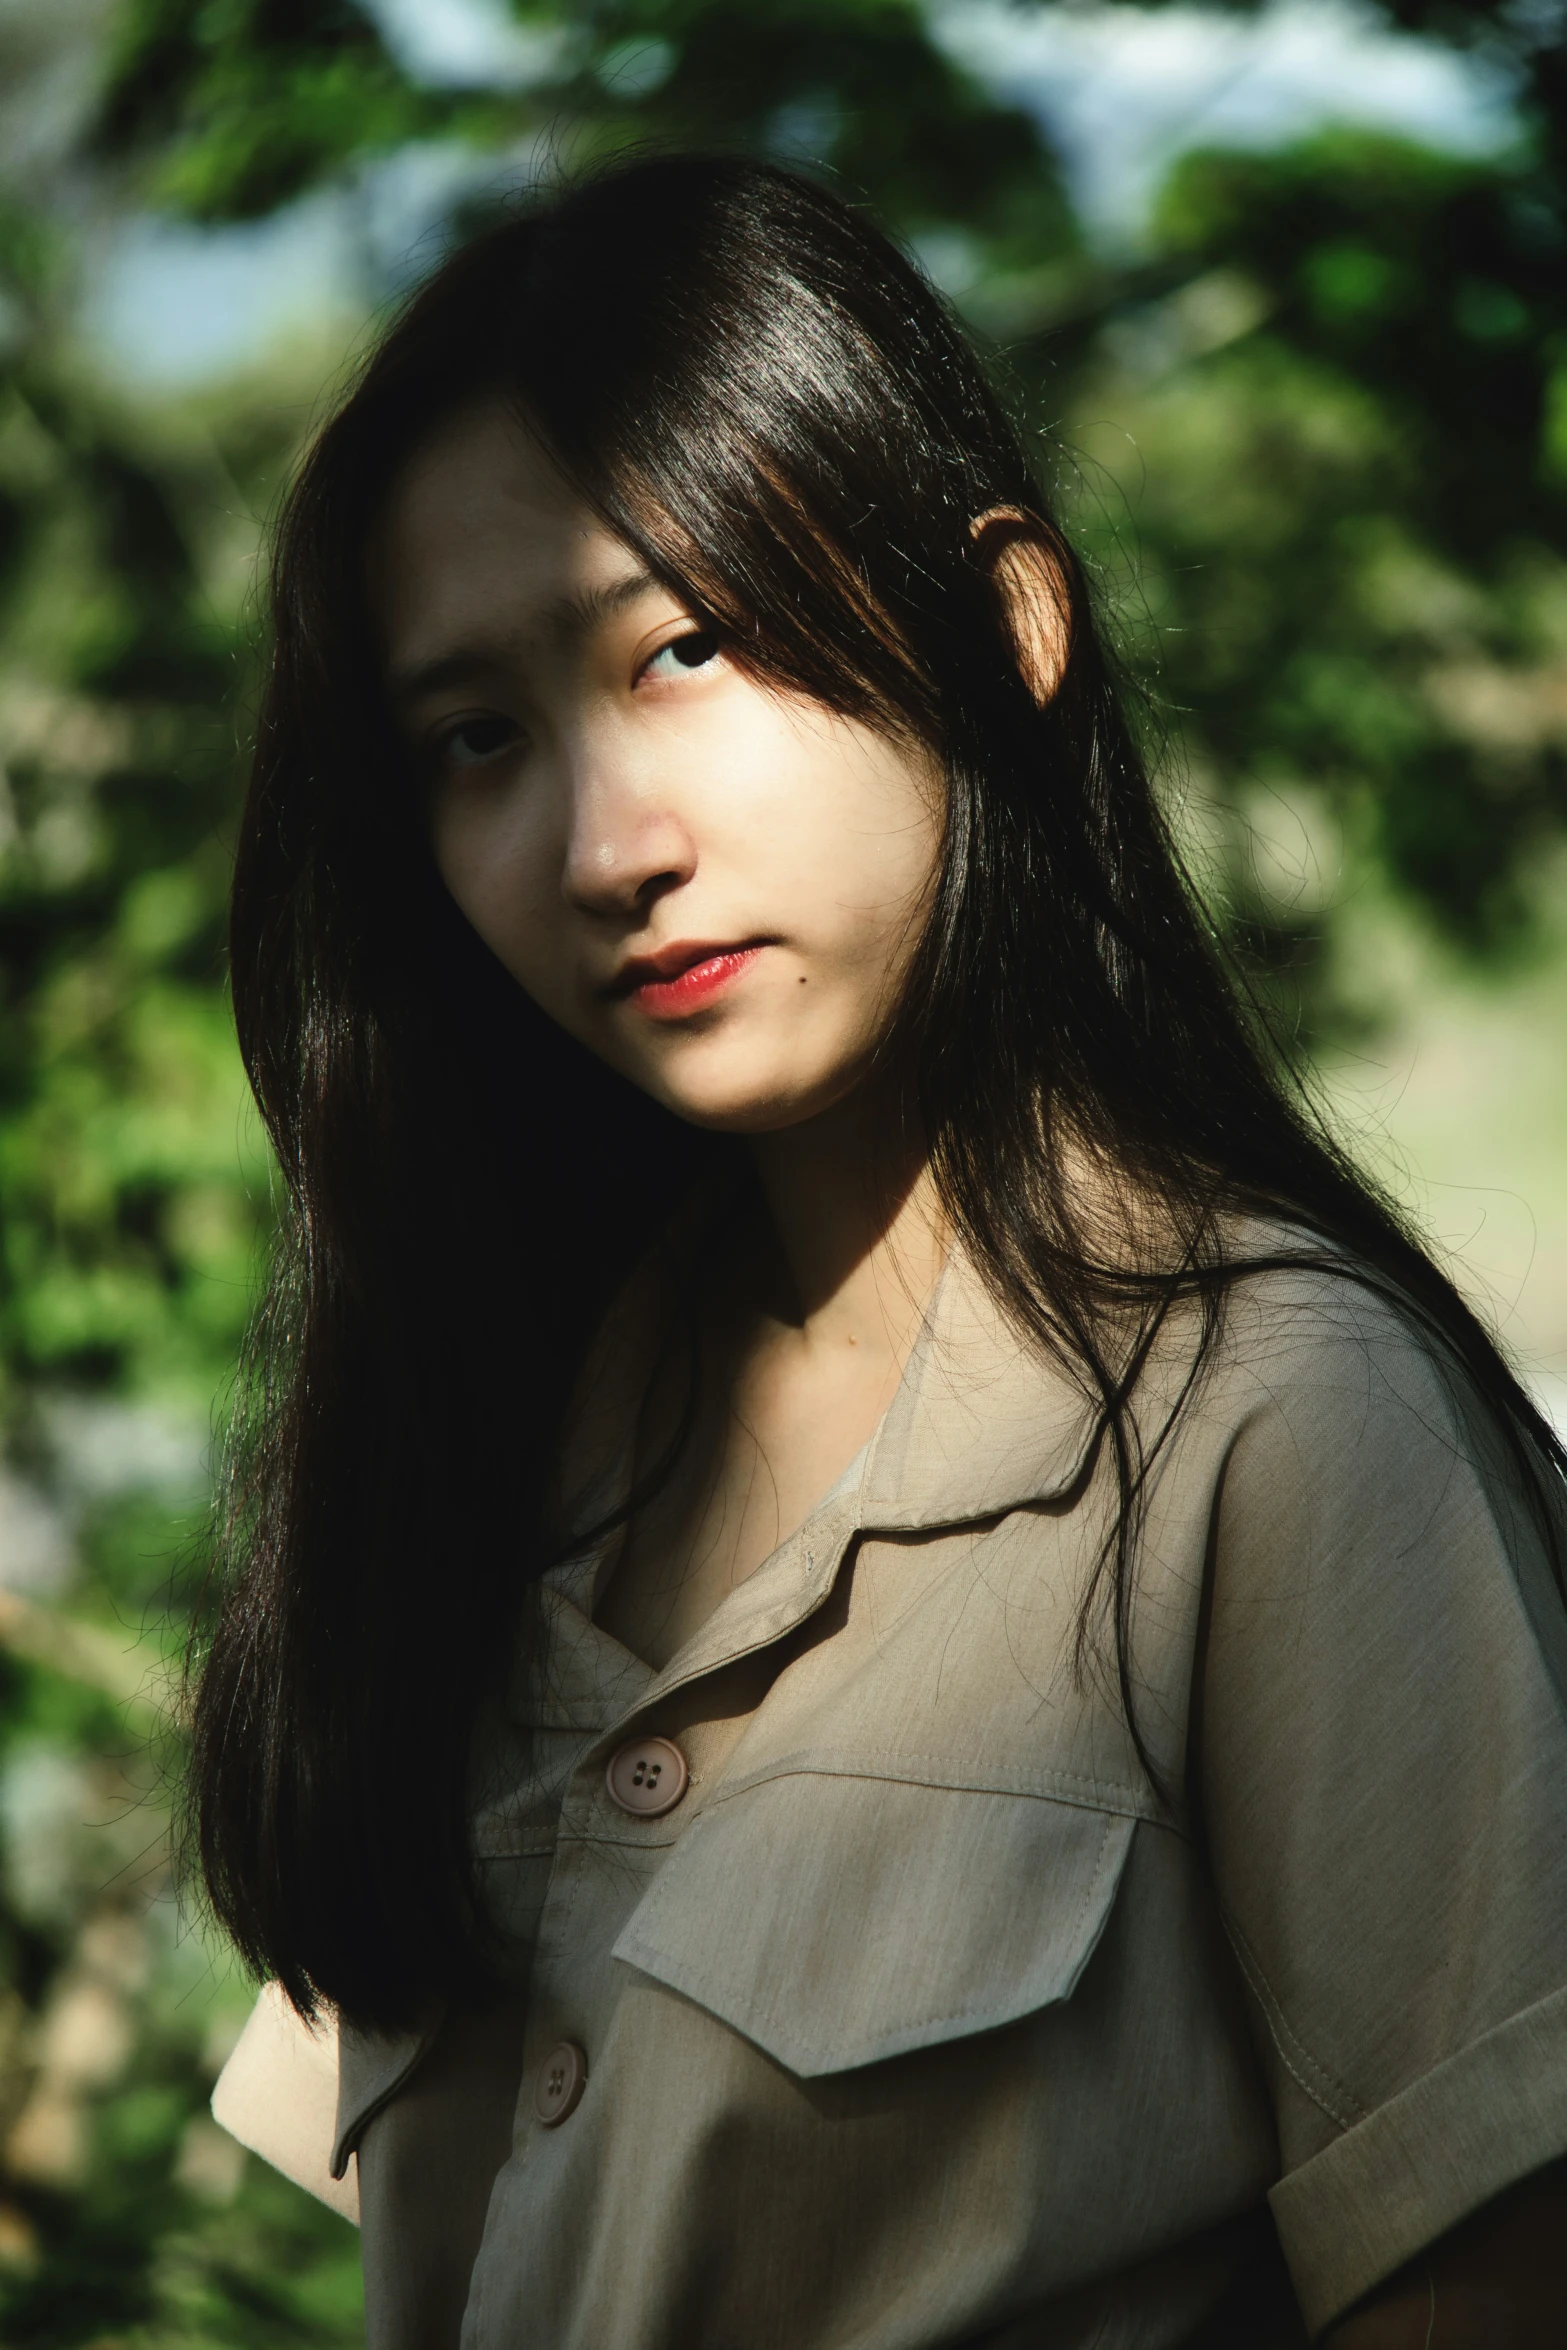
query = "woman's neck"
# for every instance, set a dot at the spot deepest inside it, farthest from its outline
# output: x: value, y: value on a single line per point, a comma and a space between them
x: 859, y: 1232
x: 808, y: 1347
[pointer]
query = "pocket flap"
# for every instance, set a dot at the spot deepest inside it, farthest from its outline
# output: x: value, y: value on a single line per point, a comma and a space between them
x: 836, y: 1921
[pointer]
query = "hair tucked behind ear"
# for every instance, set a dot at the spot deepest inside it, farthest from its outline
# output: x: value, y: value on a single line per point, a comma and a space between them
x: 771, y: 405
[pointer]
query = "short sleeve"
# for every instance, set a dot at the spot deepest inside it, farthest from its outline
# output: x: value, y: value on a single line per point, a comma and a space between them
x: 1383, y: 1755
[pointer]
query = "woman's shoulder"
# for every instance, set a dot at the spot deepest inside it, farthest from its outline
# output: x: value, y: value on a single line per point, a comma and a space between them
x: 1310, y: 1327
x: 1333, y: 1430
x: 1342, y: 1423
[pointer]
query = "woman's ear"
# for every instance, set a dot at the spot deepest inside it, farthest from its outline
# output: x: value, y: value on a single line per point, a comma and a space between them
x: 1019, y: 556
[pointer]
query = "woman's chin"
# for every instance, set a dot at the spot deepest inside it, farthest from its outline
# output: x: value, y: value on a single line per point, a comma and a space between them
x: 742, y: 1106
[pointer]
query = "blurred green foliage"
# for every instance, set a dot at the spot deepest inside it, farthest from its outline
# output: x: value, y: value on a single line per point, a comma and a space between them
x: 1348, y: 412
x: 1313, y: 434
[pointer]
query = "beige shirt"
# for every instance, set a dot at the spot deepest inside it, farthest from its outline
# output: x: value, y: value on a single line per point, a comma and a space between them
x: 924, y: 2020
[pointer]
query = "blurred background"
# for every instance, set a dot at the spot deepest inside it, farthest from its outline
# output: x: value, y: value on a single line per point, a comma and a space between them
x: 1282, y: 293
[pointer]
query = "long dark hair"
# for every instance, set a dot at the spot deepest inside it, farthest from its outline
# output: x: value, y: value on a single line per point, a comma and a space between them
x: 768, y: 402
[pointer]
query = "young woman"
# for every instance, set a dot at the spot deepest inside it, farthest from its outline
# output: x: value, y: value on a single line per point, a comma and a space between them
x: 890, y: 1667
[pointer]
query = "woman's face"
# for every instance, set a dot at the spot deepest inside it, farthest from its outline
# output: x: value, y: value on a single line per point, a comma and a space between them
x: 714, y: 886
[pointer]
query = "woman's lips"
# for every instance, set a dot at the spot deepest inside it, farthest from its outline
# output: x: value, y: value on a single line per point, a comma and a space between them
x: 691, y: 989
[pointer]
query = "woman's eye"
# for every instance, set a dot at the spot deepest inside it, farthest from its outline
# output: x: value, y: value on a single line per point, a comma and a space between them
x: 475, y: 739
x: 692, y: 651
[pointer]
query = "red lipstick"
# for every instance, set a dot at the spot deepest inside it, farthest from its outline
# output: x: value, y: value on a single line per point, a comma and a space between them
x: 683, y: 978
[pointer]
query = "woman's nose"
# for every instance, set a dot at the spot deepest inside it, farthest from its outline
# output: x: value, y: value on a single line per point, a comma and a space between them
x: 627, y: 845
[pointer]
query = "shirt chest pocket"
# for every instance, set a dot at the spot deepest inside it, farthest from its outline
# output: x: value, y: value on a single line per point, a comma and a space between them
x: 837, y: 1920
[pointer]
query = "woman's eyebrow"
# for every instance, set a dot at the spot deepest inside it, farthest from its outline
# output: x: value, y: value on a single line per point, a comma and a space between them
x: 575, y: 615
x: 563, y: 622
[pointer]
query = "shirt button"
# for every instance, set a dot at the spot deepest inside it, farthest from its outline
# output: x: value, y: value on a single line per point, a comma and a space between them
x: 562, y: 2077
x: 647, y: 1776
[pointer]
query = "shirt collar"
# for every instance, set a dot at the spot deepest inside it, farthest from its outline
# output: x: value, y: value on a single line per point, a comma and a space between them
x: 983, y: 1421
